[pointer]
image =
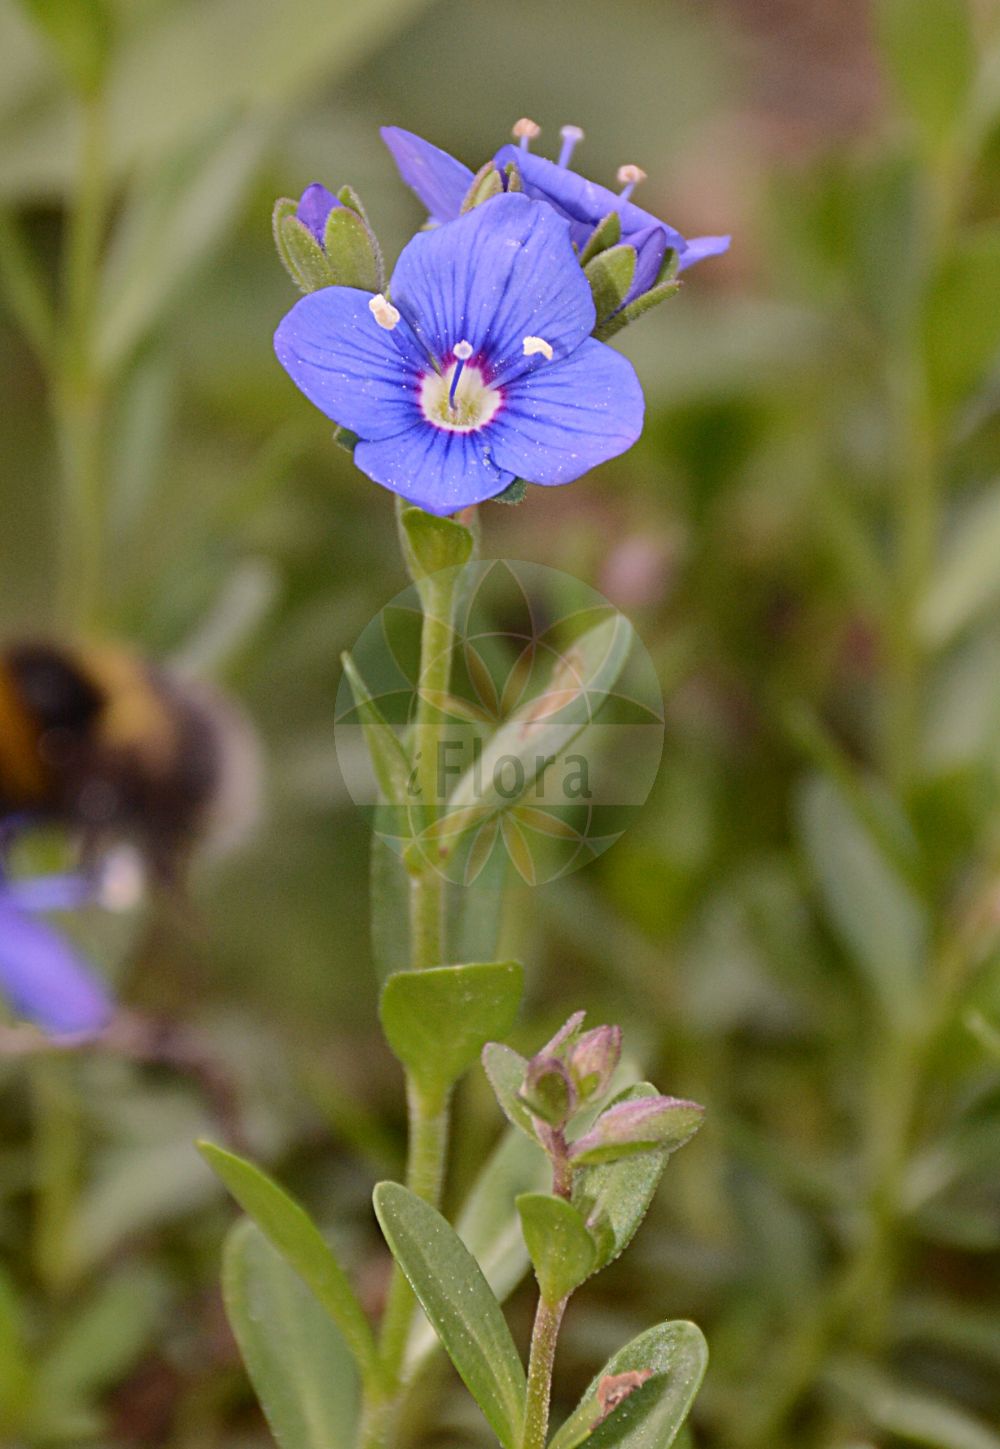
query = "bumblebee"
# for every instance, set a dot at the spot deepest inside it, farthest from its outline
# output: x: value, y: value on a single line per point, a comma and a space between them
x: 119, y: 749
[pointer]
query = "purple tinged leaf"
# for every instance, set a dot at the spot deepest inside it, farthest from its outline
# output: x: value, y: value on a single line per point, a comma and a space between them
x: 593, y: 1060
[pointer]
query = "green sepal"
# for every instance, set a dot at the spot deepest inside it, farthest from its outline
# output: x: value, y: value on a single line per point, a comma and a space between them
x: 391, y: 763
x: 432, y: 544
x: 438, y: 1021
x: 610, y: 275
x: 486, y: 184
x: 561, y: 1249
x: 669, y: 267
x: 548, y: 1092
x: 506, y: 1069
x: 513, y: 494
x: 344, y: 438
x: 351, y: 253
x: 301, y: 254
x: 607, y: 233
x: 614, y: 1197
x: 458, y: 1301
x: 660, y: 293
x: 675, y: 1357
x: 290, y: 1230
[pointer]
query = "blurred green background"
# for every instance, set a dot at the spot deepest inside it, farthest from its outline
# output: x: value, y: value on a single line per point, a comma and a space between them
x: 801, y: 932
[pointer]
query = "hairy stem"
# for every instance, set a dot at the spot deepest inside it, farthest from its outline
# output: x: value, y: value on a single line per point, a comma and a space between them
x: 544, y: 1337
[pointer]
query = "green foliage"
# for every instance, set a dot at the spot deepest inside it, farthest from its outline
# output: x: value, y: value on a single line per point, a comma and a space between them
x: 80, y: 33
x: 297, y: 1360
x: 293, y: 1234
x: 432, y: 544
x: 456, y: 1298
x: 930, y: 53
x: 438, y: 1021
x: 675, y: 1355
x: 559, y: 1244
x: 614, y: 1197
x: 610, y: 275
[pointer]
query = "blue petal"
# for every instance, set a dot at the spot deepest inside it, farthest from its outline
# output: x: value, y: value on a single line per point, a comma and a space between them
x: 315, y: 205
x: 583, y: 201
x: 563, y: 418
x: 362, y: 376
x: 700, y: 247
x: 45, y: 981
x: 440, y: 471
x: 438, y: 179
x: 502, y: 272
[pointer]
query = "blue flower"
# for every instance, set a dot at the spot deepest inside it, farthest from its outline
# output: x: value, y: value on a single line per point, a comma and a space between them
x: 41, y: 977
x: 315, y: 205
x: 481, y: 370
x: 441, y: 183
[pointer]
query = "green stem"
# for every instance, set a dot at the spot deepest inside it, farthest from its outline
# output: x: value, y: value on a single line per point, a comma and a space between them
x: 544, y: 1337
x: 57, y: 1165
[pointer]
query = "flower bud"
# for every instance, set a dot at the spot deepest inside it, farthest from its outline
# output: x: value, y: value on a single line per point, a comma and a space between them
x: 326, y: 241
x: 565, y: 1034
x: 548, y: 1091
x: 593, y: 1060
x: 643, y: 1124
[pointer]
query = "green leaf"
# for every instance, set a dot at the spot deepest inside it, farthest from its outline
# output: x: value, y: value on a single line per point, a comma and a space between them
x: 452, y: 1291
x: 879, y: 920
x: 389, y: 759
x: 297, y: 1361
x: 96, y: 1346
x: 438, y: 1021
x: 296, y: 1237
x: 610, y: 274
x: 560, y: 1247
x: 175, y: 215
x: 607, y: 233
x: 351, y: 255
x: 489, y: 1226
x: 909, y: 1414
x: 513, y: 494
x: 676, y: 1356
x: 432, y: 544
x: 614, y: 1197
x: 930, y: 54
x: 961, y: 325
x: 966, y: 581
x: 80, y: 33
x: 505, y: 1069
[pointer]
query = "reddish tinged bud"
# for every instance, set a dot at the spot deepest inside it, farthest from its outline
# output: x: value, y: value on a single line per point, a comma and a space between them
x: 563, y: 1035
x: 644, y: 1124
x: 548, y: 1091
x: 593, y: 1060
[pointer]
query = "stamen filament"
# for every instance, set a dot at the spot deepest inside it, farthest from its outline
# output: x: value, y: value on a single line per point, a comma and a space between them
x: 463, y: 351
x: 570, y: 136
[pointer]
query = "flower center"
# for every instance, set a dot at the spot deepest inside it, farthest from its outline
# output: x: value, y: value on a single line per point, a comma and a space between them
x: 459, y: 399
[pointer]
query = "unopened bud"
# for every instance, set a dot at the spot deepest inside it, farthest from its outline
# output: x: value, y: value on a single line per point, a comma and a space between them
x: 563, y: 1035
x: 548, y: 1090
x: 593, y: 1060
x: 643, y: 1124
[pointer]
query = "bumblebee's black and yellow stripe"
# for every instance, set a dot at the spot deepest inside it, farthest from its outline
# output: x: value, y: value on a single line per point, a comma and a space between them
x: 110, y: 745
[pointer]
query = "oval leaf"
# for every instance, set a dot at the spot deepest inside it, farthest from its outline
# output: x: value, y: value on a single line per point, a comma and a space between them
x: 457, y: 1299
x: 559, y: 1245
x: 675, y: 1355
x: 438, y: 1021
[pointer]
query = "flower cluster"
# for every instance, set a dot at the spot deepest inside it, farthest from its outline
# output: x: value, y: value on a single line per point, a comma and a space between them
x: 485, y: 362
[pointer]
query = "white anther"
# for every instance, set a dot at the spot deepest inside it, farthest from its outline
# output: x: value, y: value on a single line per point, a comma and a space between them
x: 383, y: 311
x: 538, y: 344
x: 630, y: 175
x: 463, y: 350
x: 122, y: 880
x: 526, y: 127
x: 571, y: 133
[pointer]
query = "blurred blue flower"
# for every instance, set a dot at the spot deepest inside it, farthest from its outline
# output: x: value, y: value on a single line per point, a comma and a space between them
x: 41, y: 977
x: 480, y: 370
x: 315, y: 205
x: 441, y: 183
